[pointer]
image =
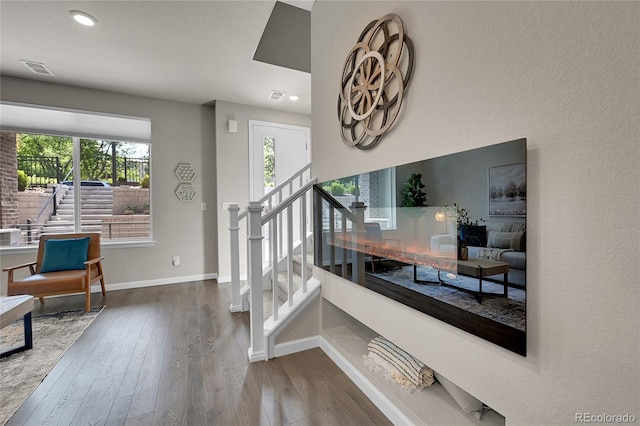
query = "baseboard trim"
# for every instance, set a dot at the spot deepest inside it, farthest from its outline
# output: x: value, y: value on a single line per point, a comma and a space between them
x: 388, y: 408
x: 286, y: 348
x: 255, y: 356
x: 227, y: 278
x: 95, y: 288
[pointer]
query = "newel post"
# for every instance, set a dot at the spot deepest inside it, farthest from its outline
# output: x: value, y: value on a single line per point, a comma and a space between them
x: 236, y: 302
x: 257, y: 348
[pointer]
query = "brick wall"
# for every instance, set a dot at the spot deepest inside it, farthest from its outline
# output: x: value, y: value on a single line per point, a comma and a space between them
x: 31, y: 203
x: 126, y: 226
x: 9, y: 211
x: 129, y: 196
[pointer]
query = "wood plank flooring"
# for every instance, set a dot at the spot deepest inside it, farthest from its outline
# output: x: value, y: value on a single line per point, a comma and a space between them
x: 175, y: 355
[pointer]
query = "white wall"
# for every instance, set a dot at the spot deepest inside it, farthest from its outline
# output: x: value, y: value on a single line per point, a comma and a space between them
x: 180, y: 133
x: 232, y: 153
x: 565, y: 76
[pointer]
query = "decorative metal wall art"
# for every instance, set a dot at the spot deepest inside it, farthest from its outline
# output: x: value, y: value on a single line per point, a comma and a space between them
x: 185, y: 174
x: 186, y: 192
x: 374, y: 79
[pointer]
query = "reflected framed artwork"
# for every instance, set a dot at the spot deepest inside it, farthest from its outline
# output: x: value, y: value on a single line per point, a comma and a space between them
x: 508, y: 190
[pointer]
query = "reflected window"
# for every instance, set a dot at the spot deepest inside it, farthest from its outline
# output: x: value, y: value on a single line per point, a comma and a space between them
x: 377, y: 190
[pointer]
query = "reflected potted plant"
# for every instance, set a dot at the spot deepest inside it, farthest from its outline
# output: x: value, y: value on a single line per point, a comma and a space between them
x: 130, y: 209
x: 412, y: 194
x: 470, y: 232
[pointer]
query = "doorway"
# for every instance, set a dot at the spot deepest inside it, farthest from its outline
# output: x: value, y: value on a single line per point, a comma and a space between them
x: 280, y: 150
x: 276, y: 152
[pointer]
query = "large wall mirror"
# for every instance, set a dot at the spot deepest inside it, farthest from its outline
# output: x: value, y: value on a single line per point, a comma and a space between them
x: 445, y: 236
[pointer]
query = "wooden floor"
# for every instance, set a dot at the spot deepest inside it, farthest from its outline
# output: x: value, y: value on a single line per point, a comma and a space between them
x: 175, y: 355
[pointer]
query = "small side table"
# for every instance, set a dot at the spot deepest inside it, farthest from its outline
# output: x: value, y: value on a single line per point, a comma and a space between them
x: 12, y: 308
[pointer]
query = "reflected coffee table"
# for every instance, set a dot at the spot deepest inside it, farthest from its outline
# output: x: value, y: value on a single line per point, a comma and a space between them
x: 475, y: 268
x: 11, y: 309
x: 481, y: 268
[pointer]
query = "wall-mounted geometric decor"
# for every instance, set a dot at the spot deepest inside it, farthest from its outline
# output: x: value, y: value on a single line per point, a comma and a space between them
x: 185, y: 174
x: 374, y: 80
x: 186, y: 192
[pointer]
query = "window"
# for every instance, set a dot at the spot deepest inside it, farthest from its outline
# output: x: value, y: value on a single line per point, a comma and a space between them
x: 63, y: 184
x: 377, y: 190
x: 269, y: 163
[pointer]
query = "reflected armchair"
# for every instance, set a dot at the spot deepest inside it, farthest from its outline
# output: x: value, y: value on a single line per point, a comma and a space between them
x: 374, y: 237
x: 443, y: 244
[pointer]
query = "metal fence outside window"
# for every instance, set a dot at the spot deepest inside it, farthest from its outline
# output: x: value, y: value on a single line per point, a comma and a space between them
x: 42, y: 171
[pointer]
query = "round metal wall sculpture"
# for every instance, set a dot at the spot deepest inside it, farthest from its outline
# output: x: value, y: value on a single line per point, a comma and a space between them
x: 373, y: 82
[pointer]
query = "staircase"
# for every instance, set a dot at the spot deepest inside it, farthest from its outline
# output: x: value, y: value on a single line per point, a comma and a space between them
x: 96, y: 203
x: 282, y: 284
x: 279, y: 288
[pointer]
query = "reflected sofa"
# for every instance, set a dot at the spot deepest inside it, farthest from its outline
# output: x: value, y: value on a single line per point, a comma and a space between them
x: 505, y: 242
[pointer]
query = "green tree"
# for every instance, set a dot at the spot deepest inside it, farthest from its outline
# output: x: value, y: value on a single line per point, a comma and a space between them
x: 269, y: 162
x: 30, y: 145
x: 95, y: 159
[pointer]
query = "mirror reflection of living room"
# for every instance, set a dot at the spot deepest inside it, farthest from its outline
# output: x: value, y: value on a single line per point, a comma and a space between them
x: 449, y: 230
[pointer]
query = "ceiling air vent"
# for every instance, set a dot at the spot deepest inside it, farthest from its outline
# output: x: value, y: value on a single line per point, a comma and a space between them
x: 37, y: 67
x: 276, y: 95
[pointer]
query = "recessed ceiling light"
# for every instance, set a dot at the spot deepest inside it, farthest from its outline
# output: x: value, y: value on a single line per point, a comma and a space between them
x: 83, y: 18
x: 294, y: 97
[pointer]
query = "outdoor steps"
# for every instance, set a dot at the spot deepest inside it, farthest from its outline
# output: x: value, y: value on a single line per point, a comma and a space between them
x: 88, y: 200
x: 86, y: 215
x: 58, y: 226
x: 96, y: 204
x: 85, y: 211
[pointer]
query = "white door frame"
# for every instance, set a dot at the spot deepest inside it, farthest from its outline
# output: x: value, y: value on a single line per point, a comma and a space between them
x: 252, y: 161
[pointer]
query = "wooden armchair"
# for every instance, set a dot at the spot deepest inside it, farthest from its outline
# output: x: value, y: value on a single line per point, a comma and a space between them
x: 40, y: 284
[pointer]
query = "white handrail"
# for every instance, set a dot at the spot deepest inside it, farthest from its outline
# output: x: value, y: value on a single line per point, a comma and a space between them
x: 278, y: 190
x: 235, y: 217
x: 259, y: 349
x: 293, y: 197
x: 281, y: 249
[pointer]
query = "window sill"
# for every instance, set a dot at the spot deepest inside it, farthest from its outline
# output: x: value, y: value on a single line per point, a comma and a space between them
x: 109, y: 244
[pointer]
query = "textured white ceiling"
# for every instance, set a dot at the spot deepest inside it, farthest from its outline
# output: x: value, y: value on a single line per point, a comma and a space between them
x: 187, y: 51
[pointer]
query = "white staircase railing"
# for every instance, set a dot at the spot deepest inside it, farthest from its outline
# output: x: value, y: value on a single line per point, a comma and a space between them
x: 275, y: 214
x: 269, y: 201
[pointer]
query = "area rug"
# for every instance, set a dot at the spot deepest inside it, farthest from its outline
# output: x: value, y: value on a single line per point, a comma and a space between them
x: 21, y: 373
x: 510, y: 311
